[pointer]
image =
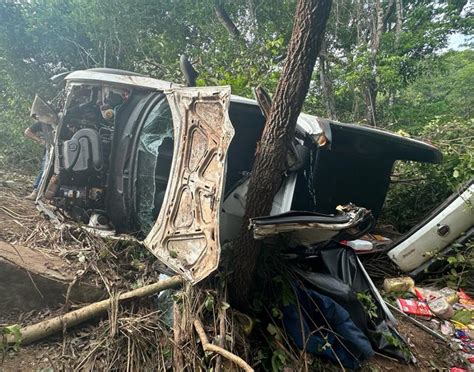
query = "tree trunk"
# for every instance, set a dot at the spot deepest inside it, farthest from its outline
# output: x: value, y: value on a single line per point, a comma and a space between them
x: 326, y: 84
x: 370, y: 97
x: 370, y: 89
x: 308, y: 29
x: 399, y: 21
x: 224, y: 18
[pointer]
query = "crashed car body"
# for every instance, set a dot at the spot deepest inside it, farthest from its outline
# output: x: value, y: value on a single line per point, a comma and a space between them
x: 449, y: 226
x: 170, y: 164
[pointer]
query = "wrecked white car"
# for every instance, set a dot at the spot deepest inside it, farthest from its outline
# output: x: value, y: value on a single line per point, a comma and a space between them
x: 169, y: 164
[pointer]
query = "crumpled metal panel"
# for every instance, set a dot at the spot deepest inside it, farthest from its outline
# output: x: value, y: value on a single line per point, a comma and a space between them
x: 318, y: 128
x: 185, y: 236
x: 308, y: 228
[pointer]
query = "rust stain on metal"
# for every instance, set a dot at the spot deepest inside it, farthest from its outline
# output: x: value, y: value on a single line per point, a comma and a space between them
x: 186, y: 234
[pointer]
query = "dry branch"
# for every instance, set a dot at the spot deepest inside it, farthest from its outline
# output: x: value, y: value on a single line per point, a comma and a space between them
x: 48, y: 327
x: 179, y: 338
x: 207, y: 346
x: 224, y: 18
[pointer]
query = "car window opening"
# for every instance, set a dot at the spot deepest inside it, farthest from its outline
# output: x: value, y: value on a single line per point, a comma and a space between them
x: 248, y: 123
x: 153, y: 164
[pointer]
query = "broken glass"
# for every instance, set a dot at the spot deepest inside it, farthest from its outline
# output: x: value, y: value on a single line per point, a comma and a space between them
x: 155, y: 153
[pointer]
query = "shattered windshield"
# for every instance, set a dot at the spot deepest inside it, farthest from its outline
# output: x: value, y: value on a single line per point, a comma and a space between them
x: 155, y: 152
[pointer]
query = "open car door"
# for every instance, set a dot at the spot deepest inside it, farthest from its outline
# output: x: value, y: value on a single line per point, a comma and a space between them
x: 43, y: 112
x: 185, y: 236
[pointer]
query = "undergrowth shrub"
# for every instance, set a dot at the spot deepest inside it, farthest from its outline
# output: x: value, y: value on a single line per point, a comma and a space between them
x: 17, y: 152
x: 420, y: 187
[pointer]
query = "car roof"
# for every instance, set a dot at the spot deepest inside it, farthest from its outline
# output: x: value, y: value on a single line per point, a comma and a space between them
x: 118, y: 77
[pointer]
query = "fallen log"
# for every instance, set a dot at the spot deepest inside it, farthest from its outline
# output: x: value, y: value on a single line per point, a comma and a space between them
x: 48, y: 327
x: 33, y: 280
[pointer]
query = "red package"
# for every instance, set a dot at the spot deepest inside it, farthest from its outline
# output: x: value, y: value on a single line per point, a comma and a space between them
x: 414, y: 307
x: 418, y: 294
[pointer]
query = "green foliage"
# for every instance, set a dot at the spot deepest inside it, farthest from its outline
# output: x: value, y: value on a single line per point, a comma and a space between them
x: 369, y: 304
x: 16, y: 151
x: 445, y: 87
x: 285, y: 290
x: 461, y: 263
x: 42, y: 38
x: 437, y: 108
x: 397, y: 343
x: 13, y: 330
x: 356, y: 63
x: 279, y: 360
x: 209, y: 301
x: 419, y: 187
x: 463, y: 316
x: 421, y: 90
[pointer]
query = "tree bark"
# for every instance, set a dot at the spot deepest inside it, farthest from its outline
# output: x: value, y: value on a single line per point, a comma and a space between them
x: 388, y: 12
x: 399, y: 21
x: 269, y: 165
x: 224, y: 18
x: 370, y: 89
x: 179, y: 338
x: 370, y: 99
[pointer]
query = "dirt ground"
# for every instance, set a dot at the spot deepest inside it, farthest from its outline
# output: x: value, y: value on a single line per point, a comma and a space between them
x: 430, y: 353
x: 19, y: 220
x: 18, y: 216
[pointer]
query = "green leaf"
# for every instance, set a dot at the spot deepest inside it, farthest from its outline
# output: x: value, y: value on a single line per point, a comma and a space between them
x: 277, y: 313
x: 209, y: 302
x: 224, y: 305
x: 272, y: 329
x: 463, y: 316
x: 452, y: 260
x: 14, y: 330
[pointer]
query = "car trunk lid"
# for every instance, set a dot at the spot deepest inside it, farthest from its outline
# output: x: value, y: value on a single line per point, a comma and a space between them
x: 185, y: 236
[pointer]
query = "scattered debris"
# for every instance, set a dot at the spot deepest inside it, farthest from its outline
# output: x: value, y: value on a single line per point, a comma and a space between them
x: 418, y: 323
x: 398, y: 284
x: 333, y: 273
x: 443, y: 313
x: 414, y: 307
